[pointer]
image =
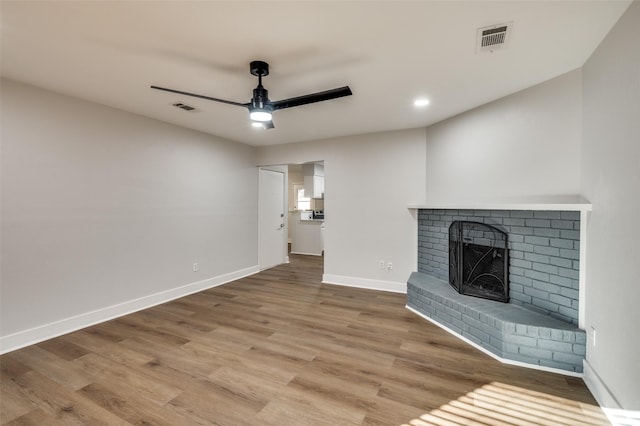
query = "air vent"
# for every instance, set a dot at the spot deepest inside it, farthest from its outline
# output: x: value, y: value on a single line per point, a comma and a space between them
x: 493, y: 37
x: 184, y: 106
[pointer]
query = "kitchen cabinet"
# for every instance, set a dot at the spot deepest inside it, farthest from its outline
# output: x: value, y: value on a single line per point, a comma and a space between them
x: 313, y: 180
x: 308, y: 237
x: 314, y: 186
x: 313, y: 169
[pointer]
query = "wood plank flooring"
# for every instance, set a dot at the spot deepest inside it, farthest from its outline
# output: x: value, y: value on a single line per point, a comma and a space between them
x: 279, y: 348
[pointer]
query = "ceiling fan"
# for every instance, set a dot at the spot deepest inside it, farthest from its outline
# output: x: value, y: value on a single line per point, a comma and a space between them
x: 261, y: 107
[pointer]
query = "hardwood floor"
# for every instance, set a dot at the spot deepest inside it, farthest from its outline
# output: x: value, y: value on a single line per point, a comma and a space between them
x: 279, y: 348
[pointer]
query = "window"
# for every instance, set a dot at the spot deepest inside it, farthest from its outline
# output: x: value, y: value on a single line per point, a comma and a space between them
x: 302, y: 202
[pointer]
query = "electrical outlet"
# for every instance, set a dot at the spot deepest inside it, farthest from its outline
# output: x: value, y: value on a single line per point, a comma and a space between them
x: 195, y: 267
x: 382, y: 264
x: 389, y: 266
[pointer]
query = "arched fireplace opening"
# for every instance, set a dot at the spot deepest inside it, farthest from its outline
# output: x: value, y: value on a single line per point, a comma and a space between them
x: 479, y: 260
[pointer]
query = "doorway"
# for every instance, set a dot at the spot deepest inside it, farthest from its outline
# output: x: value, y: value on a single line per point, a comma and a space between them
x: 306, y: 208
x: 280, y: 211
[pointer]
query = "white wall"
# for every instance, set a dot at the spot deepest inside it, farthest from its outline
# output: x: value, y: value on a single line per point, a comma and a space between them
x: 521, y: 146
x: 369, y: 182
x: 102, y: 209
x: 611, y: 180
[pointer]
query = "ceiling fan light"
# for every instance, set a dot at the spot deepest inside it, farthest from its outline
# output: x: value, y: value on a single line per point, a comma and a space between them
x: 258, y: 124
x: 260, y: 115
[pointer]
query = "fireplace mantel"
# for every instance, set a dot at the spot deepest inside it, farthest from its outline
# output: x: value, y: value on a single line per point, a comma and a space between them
x: 550, y: 203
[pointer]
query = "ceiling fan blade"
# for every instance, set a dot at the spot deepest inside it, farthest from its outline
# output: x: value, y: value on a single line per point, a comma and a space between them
x: 269, y: 124
x: 311, y: 98
x: 180, y: 92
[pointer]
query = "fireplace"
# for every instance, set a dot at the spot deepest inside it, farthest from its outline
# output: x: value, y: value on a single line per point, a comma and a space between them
x: 479, y: 260
x: 538, y: 254
x: 543, y: 254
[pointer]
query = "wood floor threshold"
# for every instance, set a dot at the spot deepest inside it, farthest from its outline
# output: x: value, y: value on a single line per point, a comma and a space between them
x: 280, y: 348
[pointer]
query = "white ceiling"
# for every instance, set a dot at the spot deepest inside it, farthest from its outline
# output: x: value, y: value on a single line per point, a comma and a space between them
x: 388, y: 52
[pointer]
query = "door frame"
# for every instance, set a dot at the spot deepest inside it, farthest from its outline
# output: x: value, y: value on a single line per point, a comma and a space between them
x: 285, y: 231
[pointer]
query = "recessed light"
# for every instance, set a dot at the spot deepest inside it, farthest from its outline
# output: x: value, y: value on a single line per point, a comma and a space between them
x: 421, y: 102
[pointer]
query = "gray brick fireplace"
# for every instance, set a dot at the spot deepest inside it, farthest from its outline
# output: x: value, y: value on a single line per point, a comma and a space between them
x: 539, y: 325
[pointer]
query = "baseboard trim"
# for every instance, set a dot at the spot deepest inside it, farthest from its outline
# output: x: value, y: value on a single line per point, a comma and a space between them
x: 306, y: 254
x: 391, y: 286
x: 609, y: 404
x: 38, y: 334
x: 598, y: 388
x: 491, y: 354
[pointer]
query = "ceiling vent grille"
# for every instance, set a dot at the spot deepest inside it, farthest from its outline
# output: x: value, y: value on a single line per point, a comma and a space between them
x: 493, y: 37
x: 184, y: 106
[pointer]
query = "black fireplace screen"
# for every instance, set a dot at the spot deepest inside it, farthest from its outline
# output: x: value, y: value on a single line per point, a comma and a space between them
x: 479, y: 260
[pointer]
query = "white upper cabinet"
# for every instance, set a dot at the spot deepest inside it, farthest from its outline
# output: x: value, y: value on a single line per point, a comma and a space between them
x: 313, y: 180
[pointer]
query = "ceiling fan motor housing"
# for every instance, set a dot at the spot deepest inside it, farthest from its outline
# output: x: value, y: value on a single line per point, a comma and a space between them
x: 260, y: 98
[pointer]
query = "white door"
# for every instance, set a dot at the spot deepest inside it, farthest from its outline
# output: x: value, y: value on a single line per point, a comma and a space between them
x: 271, y: 220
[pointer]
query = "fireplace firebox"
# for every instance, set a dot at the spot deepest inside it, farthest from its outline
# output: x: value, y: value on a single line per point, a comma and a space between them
x: 479, y: 260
